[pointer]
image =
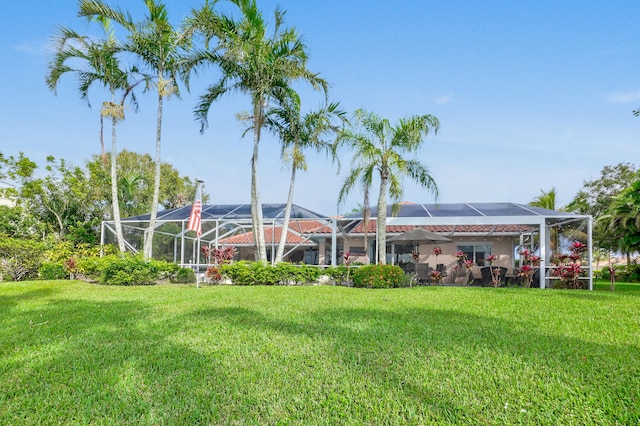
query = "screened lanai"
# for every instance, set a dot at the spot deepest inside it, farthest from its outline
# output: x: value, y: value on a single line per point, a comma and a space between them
x: 314, y: 238
x: 222, y: 224
x: 547, y: 233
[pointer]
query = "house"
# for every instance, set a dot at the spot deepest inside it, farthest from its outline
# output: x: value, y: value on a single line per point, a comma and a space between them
x: 475, y: 229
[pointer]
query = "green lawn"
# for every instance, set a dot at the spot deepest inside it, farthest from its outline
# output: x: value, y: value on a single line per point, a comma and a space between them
x: 77, y: 353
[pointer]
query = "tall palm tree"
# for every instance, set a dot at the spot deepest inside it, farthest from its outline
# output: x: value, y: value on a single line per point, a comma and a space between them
x: 98, y: 64
x: 161, y: 48
x: 253, y: 62
x: 297, y: 133
x: 379, y: 147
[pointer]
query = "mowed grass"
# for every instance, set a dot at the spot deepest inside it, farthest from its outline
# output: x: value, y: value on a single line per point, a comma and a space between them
x: 77, y: 353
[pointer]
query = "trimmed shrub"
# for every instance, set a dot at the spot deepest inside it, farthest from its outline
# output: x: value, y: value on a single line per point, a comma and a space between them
x: 378, y: 276
x: 184, y: 276
x: 134, y: 270
x: 256, y: 273
x: 52, y: 271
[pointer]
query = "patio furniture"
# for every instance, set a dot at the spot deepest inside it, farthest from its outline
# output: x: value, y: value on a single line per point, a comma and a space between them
x: 422, y: 274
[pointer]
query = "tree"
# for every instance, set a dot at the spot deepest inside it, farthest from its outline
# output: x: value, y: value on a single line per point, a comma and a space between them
x: 624, y: 214
x: 96, y: 62
x: 546, y: 200
x: 135, y: 185
x: 597, y: 195
x: 380, y: 147
x: 62, y: 199
x: 255, y: 63
x: 298, y: 133
x: 160, y: 47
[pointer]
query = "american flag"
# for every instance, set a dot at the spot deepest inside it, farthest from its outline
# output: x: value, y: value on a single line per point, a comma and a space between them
x: 194, y: 220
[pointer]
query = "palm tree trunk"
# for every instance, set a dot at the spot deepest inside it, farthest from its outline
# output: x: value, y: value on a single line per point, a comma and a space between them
x: 256, y: 206
x: 287, y: 215
x: 115, y: 203
x: 381, y: 226
x: 148, y: 245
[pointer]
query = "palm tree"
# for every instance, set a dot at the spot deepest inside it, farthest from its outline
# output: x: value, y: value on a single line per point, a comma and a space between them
x: 98, y: 64
x: 160, y: 47
x: 380, y: 147
x: 546, y: 200
x: 255, y: 63
x: 298, y: 133
x: 623, y: 217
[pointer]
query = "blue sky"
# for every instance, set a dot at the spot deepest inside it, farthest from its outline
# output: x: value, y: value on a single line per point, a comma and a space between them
x: 530, y: 96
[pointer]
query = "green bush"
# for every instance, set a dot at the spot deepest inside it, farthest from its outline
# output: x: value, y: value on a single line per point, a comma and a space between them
x: 184, y: 276
x: 256, y: 273
x: 134, y: 270
x: 338, y: 273
x: 20, y: 259
x: 378, y: 276
x: 629, y: 273
x: 52, y: 271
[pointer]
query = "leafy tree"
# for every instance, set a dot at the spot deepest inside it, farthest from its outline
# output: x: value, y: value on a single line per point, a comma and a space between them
x: 297, y: 133
x: 96, y: 62
x: 62, y: 200
x: 135, y: 185
x: 380, y: 147
x: 252, y: 62
x: 160, y: 47
x: 597, y: 195
x: 624, y: 215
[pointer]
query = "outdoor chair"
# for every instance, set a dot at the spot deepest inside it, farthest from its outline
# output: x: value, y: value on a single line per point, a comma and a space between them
x: 442, y: 268
x: 422, y: 274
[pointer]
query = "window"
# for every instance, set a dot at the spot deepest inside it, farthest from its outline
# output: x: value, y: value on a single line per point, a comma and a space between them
x: 476, y: 252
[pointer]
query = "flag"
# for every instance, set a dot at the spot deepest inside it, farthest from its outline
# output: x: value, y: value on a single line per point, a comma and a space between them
x: 194, y: 219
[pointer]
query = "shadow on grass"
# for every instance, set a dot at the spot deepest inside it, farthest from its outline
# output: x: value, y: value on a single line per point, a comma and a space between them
x: 431, y: 360
x: 125, y: 362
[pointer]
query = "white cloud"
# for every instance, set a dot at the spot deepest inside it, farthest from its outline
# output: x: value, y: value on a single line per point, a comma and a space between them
x: 444, y: 99
x: 623, y: 97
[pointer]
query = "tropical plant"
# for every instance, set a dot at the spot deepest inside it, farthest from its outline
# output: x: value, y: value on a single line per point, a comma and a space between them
x: 380, y: 146
x: 161, y: 48
x: 624, y: 214
x: 255, y: 63
x: 547, y: 200
x: 596, y: 197
x: 297, y: 133
x: 98, y: 64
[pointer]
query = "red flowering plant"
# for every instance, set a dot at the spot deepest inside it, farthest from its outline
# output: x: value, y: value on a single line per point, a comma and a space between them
x: 218, y: 256
x: 528, y: 267
x: 71, y: 265
x: 437, y: 251
x: 461, y: 256
x: 569, y: 269
x: 495, y: 272
x: 435, y: 277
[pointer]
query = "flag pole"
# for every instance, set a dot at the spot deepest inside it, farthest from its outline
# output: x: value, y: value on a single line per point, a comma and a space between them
x: 195, y: 224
